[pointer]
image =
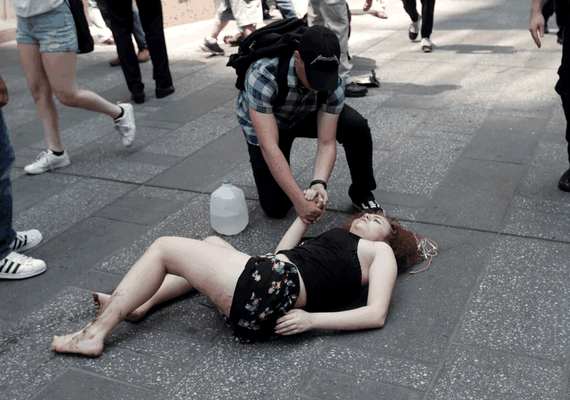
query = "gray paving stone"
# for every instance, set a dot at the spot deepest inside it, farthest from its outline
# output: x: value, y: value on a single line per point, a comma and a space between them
x: 147, y: 372
x: 473, y: 187
x: 68, y: 256
x: 422, y: 174
x: 505, y: 139
x: 519, y: 306
x: 60, y: 211
x: 187, y: 108
x: 326, y: 385
x: 97, y: 281
x: 390, y: 125
x: 539, y: 218
x: 425, y: 308
x: 478, y: 373
x: 196, y: 134
x: 235, y: 371
x: 29, y: 192
x: 363, y: 366
x: 79, y: 385
x: 541, y: 180
x: 200, y: 172
x: 173, y: 348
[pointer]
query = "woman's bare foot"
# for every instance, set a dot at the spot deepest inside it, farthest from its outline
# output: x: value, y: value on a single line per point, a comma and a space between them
x: 101, y: 300
x: 79, y: 343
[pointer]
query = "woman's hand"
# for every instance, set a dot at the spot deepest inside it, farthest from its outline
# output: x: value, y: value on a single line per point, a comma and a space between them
x: 293, y: 322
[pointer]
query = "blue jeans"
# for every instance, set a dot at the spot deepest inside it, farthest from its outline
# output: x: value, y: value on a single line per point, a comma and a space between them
x: 7, y: 158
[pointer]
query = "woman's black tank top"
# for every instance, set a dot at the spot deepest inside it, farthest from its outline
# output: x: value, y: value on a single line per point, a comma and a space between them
x: 329, y: 267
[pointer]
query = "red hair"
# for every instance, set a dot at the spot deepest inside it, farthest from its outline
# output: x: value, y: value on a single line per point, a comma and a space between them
x: 402, y: 241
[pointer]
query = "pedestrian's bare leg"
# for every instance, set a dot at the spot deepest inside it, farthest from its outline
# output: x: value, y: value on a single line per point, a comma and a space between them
x: 31, y: 61
x: 60, y: 70
x: 219, y: 26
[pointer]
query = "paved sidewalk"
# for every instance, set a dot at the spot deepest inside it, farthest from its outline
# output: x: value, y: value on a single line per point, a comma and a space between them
x: 468, y: 148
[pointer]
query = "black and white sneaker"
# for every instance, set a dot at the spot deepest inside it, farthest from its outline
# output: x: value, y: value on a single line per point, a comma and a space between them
x: 26, y: 240
x: 370, y: 204
x: 19, y: 266
x: 212, y: 47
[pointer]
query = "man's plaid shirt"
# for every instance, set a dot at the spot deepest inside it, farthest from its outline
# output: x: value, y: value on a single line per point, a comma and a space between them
x: 261, y: 90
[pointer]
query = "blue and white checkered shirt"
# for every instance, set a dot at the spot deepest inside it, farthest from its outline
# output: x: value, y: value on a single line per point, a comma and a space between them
x: 261, y: 90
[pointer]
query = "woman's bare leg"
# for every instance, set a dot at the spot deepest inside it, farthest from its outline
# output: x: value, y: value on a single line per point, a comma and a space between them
x: 172, y: 287
x: 213, y: 270
x: 60, y: 70
x: 31, y: 61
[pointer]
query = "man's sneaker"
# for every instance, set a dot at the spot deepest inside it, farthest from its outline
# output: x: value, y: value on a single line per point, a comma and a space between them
x: 46, y: 161
x: 212, y: 47
x: 19, y: 266
x: 414, y: 29
x: 426, y: 45
x: 26, y: 240
x: 370, y: 204
x: 355, y: 90
x: 126, y: 124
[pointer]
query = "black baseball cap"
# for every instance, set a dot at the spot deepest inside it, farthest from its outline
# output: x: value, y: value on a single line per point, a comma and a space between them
x: 320, y: 50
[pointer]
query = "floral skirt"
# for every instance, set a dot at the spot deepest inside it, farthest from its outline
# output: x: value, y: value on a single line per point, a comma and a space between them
x: 266, y: 289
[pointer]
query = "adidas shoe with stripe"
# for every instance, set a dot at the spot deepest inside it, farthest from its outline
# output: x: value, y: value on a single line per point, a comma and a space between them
x: 19, y: 266
x: 26, y: 240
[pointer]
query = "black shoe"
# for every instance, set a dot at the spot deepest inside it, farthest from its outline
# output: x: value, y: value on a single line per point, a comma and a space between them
x: 163, y: 92
x: 213, y: 48
x: 414, y: 29
x: 354, y: 90
x: 564, y: 182
x: 138, y: 98
x: 368, y: 204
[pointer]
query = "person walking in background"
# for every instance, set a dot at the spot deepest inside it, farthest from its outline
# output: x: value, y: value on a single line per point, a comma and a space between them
x: 47, y: 46
x: 143, y: 55
x: 104, y: 34
x: 246, y: 13
x: 562, y: 87
x: 379, y: 10
x: 12, y: 264
x: 334, y: 15
x: 150, y: 11
x: 548, y: 9
x: 426, y: 20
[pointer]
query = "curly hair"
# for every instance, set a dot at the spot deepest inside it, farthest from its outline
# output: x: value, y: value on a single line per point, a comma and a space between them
x: 402, y: 241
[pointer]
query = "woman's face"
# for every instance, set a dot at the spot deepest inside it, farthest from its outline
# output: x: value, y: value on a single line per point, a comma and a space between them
x: 372, y: 227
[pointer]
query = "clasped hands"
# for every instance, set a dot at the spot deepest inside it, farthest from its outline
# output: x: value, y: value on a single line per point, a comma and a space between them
x: 314, y: 205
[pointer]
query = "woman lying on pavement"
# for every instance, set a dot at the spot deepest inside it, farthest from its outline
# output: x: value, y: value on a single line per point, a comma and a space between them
x: 264, y: 295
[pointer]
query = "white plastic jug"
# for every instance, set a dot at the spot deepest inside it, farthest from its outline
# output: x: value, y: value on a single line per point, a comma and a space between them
x: 228, y: 209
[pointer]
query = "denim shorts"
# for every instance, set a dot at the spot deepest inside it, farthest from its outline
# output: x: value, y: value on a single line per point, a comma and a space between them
x: 244, y: 12
x: 53, y: 31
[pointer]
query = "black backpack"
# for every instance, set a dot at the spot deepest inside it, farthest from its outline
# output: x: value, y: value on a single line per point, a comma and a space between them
x: 279, y: 38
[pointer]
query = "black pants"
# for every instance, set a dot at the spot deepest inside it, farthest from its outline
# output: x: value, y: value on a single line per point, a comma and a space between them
x: 563, y: 85
x: 353, y: 133
x: 150, y: 11
x: 427, y: 14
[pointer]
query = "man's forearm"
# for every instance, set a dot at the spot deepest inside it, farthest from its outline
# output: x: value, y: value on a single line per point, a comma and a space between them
x: 536, y: 6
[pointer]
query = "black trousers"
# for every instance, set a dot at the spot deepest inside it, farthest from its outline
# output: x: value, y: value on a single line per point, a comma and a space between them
x: 427, y: 14
x: 563, y: 85
x: 353, y: 133
x: 150, y: 11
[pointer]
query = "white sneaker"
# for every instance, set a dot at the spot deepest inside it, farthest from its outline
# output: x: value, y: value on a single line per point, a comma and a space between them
x: 126, y: 124
x: 426, y: 45
x: 19, y: 266
x: 26, y: 240
x: 45, y: 161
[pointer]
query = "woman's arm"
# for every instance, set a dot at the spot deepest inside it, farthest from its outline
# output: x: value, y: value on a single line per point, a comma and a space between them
x: 293, y: 235
x: 382, y: 276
